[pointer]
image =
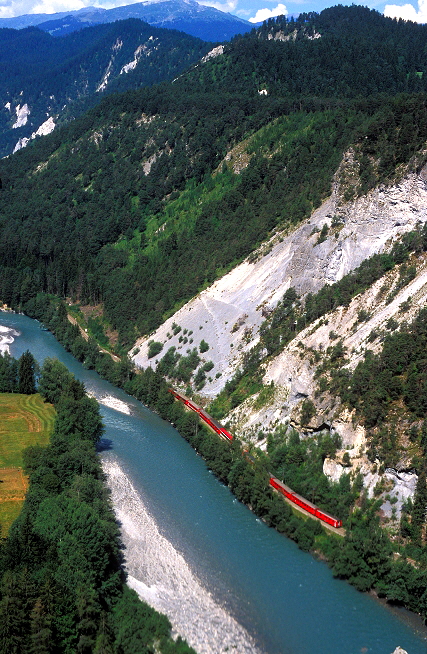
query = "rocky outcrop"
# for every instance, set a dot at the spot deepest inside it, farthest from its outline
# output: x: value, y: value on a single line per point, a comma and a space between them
x: 45, y: 128
x: 292, y: 373
x: 229, y: 313
x: 356, y: 230
x: 22, y: 114
x: 215, y: 52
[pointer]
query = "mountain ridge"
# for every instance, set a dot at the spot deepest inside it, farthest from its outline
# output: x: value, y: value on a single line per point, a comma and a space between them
x: 69, y: 74
x: 189, y: 16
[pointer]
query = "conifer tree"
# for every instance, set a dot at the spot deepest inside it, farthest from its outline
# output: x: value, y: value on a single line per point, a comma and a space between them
x: 420, y: 505
x: 27, y: 370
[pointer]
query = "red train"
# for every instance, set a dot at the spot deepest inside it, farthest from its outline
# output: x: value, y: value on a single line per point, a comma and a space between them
x: 274, y: 482
x: 303, y: 503
x: 220, y: 430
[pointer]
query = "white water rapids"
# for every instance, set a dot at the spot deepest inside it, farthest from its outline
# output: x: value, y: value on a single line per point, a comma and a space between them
x: 114, y: 403
x: 161, y: 577
x: 7, y: 336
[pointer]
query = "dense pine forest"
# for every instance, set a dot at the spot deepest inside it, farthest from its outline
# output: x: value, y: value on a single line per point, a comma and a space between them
x: 143, y: 201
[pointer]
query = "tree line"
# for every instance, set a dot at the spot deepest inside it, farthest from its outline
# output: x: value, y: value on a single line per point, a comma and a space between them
x: 18, y: 376
x: 366, y: 557
x: 62, y: 585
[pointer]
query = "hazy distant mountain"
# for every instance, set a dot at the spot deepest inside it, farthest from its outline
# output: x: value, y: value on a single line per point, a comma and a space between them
x: 188, y: 16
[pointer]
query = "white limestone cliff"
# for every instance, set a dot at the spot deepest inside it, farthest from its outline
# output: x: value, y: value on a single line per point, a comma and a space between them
x: 228, y: 314
x: 22, y: 114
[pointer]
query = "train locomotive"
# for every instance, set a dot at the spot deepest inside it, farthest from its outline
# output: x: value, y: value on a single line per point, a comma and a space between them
x: 219, y: 429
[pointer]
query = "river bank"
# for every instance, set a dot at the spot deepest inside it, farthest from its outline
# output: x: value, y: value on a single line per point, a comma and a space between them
x: 268, y: 586
x: 168, y: 583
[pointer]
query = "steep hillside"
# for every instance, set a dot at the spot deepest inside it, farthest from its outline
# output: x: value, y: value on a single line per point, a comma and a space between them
x: 136, y: 184
x: 228, y: 314
x: 46, y: 81
x: 311, y: 60
x: 340, y: 53
x: 323, y: 378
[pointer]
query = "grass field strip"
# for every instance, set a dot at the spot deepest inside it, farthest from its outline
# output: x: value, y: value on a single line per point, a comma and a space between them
x: 24, y: 420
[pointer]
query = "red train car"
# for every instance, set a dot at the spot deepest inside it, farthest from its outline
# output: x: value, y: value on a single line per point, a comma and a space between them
x: 219, y: 429
x: 186, y: 400
x: 304, y: 504
x: 215, y: 425
x: 274, y: 482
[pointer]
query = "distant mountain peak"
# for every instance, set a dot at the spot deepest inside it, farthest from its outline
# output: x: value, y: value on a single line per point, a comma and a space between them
x: 188, y: 16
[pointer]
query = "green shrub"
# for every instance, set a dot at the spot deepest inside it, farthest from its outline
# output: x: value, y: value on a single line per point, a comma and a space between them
x: 154, y: 347
x: 204, y: 347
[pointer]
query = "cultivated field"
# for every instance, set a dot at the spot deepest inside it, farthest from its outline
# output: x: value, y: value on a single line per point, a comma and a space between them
x: 24, y: 420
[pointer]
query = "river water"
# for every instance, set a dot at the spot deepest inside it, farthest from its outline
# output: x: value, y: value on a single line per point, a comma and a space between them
x: 227, y: 582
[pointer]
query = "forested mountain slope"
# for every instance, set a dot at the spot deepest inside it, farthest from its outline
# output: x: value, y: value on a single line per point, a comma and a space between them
x: 299, y: 152
x: 341, y: 52
x: 179, y: 182
x: 46, y: 80
x: 135, y: 182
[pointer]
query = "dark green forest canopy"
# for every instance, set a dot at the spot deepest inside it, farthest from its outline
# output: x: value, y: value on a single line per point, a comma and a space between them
x: 341, y: 52
x: 137, y: 189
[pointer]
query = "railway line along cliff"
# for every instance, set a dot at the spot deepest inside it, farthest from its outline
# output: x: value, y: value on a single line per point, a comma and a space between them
x: 228, y: 316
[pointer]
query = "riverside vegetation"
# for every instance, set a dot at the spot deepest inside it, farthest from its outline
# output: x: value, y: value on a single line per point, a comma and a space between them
x: 151, y: 207
x: 62, y: 587
x: 364, y: 557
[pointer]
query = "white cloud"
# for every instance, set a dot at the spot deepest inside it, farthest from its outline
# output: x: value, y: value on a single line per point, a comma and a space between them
x: 408, y: 12
x: 12, y: 8
x: 227, y: 6
x: 265, y: 14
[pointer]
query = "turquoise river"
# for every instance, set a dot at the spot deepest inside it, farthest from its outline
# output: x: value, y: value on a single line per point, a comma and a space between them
x: 227, y: 582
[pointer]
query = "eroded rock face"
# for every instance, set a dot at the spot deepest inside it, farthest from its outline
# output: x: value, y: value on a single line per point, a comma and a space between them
x: 22, y: 114
x: 45, y: 128
x: 404, y: 485
x: 228, y: 315
x: 368, y: 225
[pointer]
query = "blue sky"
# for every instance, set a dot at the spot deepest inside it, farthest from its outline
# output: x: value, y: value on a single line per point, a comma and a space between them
x: 252, y: 10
